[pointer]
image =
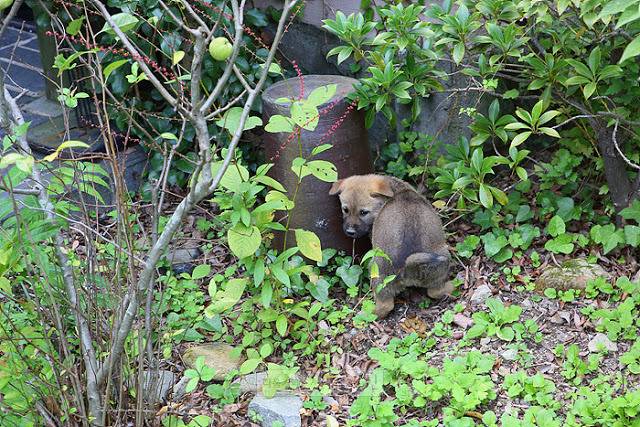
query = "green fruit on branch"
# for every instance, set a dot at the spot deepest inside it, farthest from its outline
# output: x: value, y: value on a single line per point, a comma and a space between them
x: 5, y: 4
x: 219, y: 48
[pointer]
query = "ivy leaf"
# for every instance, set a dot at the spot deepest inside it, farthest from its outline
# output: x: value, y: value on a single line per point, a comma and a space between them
x: 493, y: 244
x: 465, y: 248
x: 556, y: 226
x: 562, y: 244
x: 350, y: 275
x: 632, y: 212
x: 632, y: 235
x: 319, y: 290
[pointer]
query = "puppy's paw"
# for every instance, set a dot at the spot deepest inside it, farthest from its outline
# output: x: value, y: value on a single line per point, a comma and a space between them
x: 383, y: 307
x: 441, y: 292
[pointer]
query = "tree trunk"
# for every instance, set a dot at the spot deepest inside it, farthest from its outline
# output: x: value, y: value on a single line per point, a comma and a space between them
x: 615, y: 168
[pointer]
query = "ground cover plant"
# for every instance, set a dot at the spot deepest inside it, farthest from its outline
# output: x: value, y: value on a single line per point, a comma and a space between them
x: 539, y: 199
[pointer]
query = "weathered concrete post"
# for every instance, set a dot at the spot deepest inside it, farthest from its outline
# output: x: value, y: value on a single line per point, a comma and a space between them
x: 315, y: 210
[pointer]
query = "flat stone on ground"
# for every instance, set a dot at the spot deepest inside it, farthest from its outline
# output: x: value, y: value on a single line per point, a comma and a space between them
x: 572, y: 274
x: 218, y: 356
x: 283, y: 407
x: 481, y: 294
x: 601, y: 341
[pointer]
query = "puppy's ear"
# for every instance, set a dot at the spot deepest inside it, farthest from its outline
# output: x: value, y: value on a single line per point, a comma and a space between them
x: 381, y: 187
x: 336, y: 188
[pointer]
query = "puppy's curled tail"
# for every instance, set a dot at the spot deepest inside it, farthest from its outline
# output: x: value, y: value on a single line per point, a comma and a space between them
x: 428, y: 270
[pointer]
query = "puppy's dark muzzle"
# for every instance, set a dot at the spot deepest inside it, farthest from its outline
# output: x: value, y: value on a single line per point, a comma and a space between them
x: 353, y: 232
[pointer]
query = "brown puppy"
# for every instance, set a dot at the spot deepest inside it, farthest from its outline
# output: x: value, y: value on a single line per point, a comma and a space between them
x: 404, y: 226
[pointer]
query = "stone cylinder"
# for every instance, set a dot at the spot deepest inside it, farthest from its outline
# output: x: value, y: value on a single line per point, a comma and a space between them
x: 340, y: 125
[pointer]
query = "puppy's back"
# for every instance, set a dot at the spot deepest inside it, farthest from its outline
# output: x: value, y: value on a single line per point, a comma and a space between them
x: 407, y: 224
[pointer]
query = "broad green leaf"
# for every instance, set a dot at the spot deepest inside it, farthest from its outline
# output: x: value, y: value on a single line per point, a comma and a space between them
x: 305, y: 115
x: 562, y: 244
x: 556, y: 226
x: 520, y: 138
x: 278, y: 272
x: 124, y: 21
x: 201, y: 271
x: 320, y: 149
x: 632, y: 50
x: 233, y: 177
x: 282, y: 324
x: 562, y: 5
x: 227, y: 298
x: 279, y: 124
x: 632, y: 212
x: 458, y: 52
x: 589, y: 88
x: 249, y: 366
x: 321, y: 95
x: 270, y: 182
x: 231, y: 120
x: 244, y: 241
x: 168, y: 135
x: 112, y: 67
x: 499, y: 195
x: 74, y: 26
x: 614, y: 7
x: 177, y: 57
x: 309, y: 244
x: 266, y: 295
x: 323, y: 170
x: 67, y: 144
x: 486, y: 198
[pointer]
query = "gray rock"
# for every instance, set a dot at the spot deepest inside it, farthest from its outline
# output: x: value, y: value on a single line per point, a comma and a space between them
x: 509, y: 354
x: 600, y: 341
x: 484, y: 342
x: 216, y: 355
x: 180, y: 388
x: 251, y: 383
x: 572, y: 274
x: 156, y: 385
x: 463, y: 321
x: 481, y: 294
x: 183, y: 255
x: 283, y: 407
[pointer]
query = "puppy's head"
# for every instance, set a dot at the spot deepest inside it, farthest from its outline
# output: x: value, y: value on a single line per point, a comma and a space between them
x: 361, y: 197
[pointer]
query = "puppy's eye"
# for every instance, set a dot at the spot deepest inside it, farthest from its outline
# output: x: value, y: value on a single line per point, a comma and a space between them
x: 364, y: 212
x: 345, y: 209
